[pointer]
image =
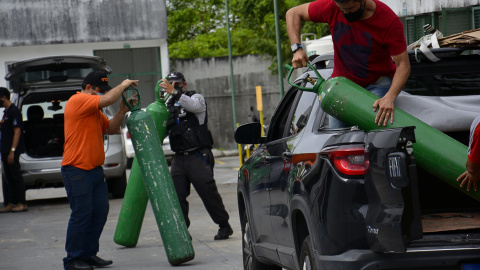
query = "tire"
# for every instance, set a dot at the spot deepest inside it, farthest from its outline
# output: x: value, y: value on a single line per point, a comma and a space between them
x: 169, y: 160
x: 306, y: 255
x: 129, y: 163
x: 250, y: 261
x: 118, y: 186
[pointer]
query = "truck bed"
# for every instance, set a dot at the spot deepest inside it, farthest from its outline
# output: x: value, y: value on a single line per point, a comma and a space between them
x: 443, y: 222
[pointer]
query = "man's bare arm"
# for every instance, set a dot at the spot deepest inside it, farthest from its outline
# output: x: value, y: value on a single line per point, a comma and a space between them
x: 114, y: 94
x: 385, y: 105
x: 294, y: 18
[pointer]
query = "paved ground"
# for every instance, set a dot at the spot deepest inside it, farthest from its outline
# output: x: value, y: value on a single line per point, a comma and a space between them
x: 35, y: 239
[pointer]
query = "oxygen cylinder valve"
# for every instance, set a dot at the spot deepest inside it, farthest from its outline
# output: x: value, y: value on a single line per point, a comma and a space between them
x: 310, y: 80
x: 131, y: 98
x: 316, y: 83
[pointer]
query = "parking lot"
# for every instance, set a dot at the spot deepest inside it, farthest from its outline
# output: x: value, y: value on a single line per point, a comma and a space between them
x: 36, y: 239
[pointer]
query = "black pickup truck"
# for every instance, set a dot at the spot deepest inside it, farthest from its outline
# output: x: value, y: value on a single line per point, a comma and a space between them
x: 303, y: 195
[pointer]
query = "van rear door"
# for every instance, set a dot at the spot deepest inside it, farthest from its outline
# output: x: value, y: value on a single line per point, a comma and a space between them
x: 52, y: 71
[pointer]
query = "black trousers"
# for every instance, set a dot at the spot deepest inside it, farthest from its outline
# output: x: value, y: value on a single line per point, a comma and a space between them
x: 197, y: 169
x: 12, y: 181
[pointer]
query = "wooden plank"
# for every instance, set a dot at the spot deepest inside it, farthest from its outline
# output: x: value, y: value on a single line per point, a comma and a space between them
x: 450, y: 222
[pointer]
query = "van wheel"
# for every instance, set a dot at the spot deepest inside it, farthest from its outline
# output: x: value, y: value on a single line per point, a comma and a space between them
x: 118, y: 186
x: 306, y: 256
x: 249, y: 259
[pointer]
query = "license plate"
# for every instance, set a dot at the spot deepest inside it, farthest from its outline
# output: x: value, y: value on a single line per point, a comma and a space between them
x: 471, y: 266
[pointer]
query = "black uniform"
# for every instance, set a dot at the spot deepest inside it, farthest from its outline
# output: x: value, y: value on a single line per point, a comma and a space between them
x: 193, y: 161
x: 13, y: 187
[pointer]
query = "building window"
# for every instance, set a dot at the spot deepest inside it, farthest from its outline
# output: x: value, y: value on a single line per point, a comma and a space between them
x: 450, y: 21
x: 475, y: 17
x: 415, y: 25
x: 456, y: 20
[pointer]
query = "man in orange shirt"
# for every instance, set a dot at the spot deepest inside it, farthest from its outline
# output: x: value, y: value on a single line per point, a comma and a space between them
x: 82, y: 170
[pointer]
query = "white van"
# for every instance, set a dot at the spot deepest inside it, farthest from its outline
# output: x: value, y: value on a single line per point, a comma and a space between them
x: 316, y: 46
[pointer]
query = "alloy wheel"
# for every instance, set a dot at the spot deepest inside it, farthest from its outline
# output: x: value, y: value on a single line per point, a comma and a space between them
x: 247, y: 246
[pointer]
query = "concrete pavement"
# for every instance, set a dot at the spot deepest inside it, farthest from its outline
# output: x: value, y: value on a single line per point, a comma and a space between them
x: 36, y: 239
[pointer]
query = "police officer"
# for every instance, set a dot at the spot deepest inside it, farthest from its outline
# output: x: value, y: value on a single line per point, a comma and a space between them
x: 193, y: 161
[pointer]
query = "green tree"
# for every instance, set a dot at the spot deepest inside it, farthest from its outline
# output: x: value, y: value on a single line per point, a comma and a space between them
x: 187, y: 19
x: 198, y: 28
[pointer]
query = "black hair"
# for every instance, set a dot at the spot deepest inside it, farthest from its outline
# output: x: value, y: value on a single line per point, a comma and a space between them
x: 4, y: 93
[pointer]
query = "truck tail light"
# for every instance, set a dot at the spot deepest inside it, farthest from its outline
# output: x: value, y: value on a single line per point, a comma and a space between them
x: 349, y: 160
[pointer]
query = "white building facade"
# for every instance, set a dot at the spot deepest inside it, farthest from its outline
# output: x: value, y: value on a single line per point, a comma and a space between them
x: 449, y: 16
x: 130, y: 34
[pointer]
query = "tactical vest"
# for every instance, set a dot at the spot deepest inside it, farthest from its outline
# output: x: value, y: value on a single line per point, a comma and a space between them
x: 185, y: 132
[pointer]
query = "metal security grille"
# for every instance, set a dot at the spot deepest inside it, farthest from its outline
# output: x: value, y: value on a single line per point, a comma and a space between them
x: 415, y: 25
x: 456, y: 20
x: 475, y: 17
x: 410, y: 25
x: 141, y: 64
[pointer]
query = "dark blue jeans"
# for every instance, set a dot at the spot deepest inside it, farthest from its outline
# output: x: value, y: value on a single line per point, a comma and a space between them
x: 87, y: 193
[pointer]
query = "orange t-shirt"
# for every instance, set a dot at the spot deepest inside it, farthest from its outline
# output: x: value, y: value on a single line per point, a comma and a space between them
x: 84, y: 128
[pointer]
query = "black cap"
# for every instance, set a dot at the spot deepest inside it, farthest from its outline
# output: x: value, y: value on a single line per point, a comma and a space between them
x: 99, y: 79
x: 176, y: 77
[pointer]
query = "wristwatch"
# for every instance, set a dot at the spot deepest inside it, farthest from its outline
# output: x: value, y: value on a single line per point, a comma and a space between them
x: 13, y: 149
x: 295, y: 47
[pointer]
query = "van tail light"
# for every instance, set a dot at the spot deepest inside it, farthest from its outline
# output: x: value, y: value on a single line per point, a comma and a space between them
x: 349, y: 160
x: 110, y: 165
x: 128, y: 135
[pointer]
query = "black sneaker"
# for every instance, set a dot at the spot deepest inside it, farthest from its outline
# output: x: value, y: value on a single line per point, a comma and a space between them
x: 223, y: 233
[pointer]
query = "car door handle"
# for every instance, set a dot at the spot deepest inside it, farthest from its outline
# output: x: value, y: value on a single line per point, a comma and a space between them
x: 287, y: 155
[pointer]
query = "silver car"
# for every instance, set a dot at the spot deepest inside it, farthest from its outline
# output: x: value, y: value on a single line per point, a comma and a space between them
x: 41, y: 87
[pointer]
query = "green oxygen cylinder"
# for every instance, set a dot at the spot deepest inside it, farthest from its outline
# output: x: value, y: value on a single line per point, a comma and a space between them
x: 158, y: 183
x: 132, y: 213
x: 135, y: 199
x: 435, y: 151
x: 158, y: 110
